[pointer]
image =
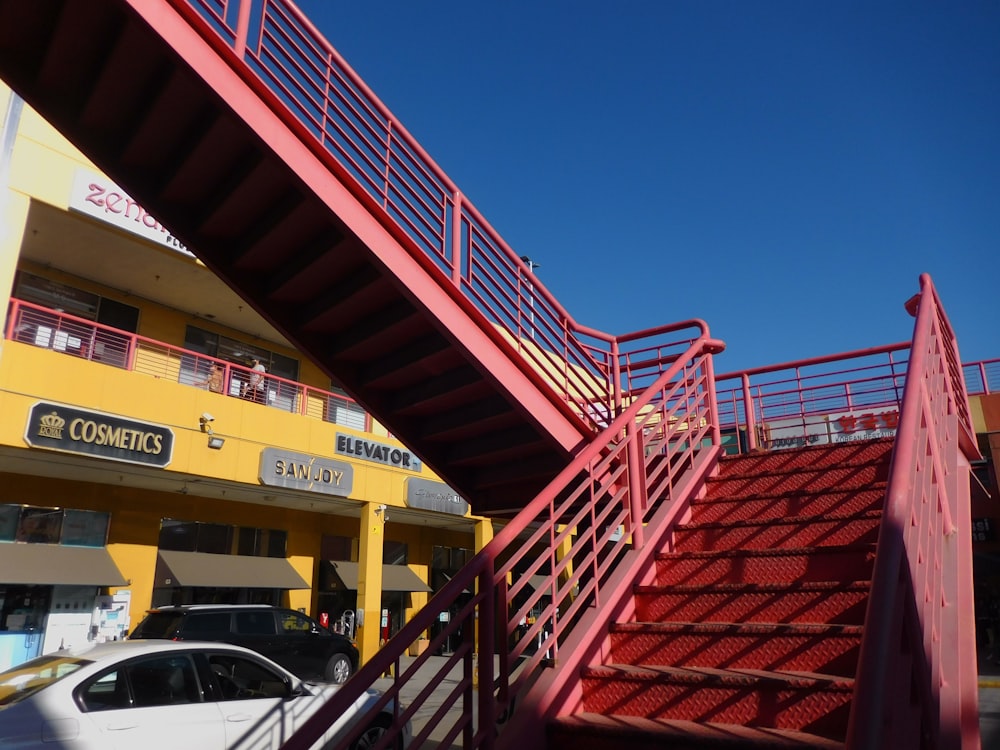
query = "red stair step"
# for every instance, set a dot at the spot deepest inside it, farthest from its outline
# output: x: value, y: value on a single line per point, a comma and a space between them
x: 853, y: 563
x: 816, y: 457
x: 812, y: 481
x: 817, y: 601
x: 591, y: 731
x: 814, y: 704
x: 788, y: 533
x: 727, y: 510
x: 829, y: 649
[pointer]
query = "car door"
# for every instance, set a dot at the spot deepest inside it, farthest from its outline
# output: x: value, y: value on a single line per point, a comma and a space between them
x: 257, y: 703
x: 140, y: 702
x: 256, y: 630
x: 303, y: 648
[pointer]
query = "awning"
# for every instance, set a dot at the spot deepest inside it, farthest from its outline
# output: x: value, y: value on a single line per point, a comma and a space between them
x: 226, y: 571
x: 394, y: 577
x: 55, y: 564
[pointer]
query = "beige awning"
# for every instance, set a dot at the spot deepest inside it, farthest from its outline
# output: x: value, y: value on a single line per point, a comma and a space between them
x: 394, y: 577
x: 55, y: 564
x: 226, y: 571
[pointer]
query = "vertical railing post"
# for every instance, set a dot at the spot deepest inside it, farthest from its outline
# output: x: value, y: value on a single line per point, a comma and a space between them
x: 242, y: 28
x: 748, y: 415
x: 636, y: 484
x: 456, y: 239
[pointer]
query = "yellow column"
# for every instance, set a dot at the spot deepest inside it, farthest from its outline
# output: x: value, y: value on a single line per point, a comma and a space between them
x: 370, y: 579
x: 484, y: 535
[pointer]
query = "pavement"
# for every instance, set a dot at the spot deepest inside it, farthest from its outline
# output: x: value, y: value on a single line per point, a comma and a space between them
x: 989, y: 701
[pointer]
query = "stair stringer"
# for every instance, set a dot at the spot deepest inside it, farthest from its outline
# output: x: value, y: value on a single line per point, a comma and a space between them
x: 558, y: 691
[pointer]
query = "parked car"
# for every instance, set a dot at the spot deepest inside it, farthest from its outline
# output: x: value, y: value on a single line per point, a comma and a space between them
x: 297, y: 642
x: 132, y: 694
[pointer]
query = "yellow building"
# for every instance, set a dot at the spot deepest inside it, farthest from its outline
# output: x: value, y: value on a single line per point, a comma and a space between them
x: 144, y: 461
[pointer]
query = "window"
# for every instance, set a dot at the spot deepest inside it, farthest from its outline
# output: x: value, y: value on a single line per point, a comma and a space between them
x: 207, y: 624
x: 80, y: 528
x: 238, y: 678
x: 110, y: 690
x: 42, y: 525
x: 255, y: 623
x: 293, y: 622
x: 163, y: 681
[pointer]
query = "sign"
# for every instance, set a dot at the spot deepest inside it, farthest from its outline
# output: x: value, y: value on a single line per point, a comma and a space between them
x: 100, y: 198
x: 877, y: 423
x: 427, y: 494
x: 380, y: 453
x: 68, y: 429
x: 299, y: 471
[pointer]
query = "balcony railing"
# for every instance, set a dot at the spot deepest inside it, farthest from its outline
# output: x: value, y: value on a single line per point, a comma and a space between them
x: 68, y: 334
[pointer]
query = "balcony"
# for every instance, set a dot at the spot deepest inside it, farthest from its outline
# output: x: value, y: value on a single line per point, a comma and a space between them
x: 50, y: 329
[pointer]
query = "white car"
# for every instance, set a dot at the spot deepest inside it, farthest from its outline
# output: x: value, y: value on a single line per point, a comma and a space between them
x: 145, y: 695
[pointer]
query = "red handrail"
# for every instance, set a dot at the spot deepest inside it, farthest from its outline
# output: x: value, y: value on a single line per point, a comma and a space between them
x: 280, y: 53
x: 60, y: 331
x: 916, y: 684
x: 555, y: 559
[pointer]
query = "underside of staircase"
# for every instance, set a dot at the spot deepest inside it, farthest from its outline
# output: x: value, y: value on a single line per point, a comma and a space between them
x: 749, y: 636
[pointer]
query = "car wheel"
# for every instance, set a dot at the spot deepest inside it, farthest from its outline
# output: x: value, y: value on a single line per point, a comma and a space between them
x: 338, y: 669
x: 373, y: 734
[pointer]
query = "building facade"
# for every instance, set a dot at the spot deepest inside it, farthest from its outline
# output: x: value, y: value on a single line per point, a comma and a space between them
x: 161, y: 443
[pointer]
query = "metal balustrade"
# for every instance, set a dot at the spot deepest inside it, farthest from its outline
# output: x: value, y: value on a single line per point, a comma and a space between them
x: 61, y: 332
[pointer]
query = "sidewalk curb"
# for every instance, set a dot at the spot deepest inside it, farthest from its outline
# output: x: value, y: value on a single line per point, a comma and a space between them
x: 989, y: 682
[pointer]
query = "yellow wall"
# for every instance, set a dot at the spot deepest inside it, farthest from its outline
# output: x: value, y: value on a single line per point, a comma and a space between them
x: 42, y: 169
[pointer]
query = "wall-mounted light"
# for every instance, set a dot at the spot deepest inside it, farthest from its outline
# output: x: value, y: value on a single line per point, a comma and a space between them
x: 214, y: 441
x: 380, y: 511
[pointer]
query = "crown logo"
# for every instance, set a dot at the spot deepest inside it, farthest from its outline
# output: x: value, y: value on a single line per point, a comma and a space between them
x: 51, y: 426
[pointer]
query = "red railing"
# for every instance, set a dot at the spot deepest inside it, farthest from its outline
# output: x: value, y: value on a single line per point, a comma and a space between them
x: 68, y: 334
x: 848, y: 396
x: 916, y: 684
x: 552, y: 574
x: 289, y: 63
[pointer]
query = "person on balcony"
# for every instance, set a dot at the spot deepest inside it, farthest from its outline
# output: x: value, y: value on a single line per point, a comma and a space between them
x: 255, y: 386
x: 214, y: 379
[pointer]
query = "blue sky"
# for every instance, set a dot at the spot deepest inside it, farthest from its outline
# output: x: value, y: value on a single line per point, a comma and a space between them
x: 783, y: 170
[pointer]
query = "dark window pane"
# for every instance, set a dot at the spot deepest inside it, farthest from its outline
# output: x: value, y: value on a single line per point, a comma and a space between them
x: 181, y: 536
x: 276, y: 543
x: 248, y: 542
x: 40, y: 525
x: 394, y: 553
x: 215, y: 538
x: 164, y: 681
x: 9, y: 516
x: 255, y: 623
x: 110, y: 690
x: 85, y: 528
x: 206, y: 624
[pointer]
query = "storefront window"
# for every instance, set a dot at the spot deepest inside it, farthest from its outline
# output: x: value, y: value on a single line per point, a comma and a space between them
x: 23, y: 607
x: 77, y: 528
x: 85, y: 528
x: 9, y: 516
x: 41, y: 525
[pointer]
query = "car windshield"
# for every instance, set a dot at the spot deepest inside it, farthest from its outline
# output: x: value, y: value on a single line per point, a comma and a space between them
x: 19, y: 682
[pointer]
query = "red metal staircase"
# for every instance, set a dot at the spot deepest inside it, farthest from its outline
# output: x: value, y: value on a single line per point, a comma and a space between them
x: 752, y: 627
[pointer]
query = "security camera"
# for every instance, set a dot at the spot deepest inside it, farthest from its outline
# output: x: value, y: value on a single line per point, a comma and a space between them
x: 206, y: 417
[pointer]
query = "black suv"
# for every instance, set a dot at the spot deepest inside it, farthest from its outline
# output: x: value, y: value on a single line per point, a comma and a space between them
x: 298, y: 643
